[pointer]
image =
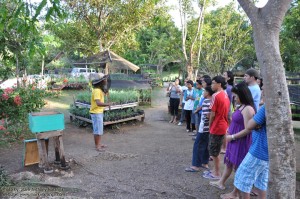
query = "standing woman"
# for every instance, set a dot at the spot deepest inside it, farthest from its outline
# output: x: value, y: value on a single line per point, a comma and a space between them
x: 229, y: 77
x: 237, y: 148
x: 175, y: 90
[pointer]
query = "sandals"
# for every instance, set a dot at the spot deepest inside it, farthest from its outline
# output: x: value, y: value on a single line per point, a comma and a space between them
x: 211, y: 176
x: 215, y: 184
x: 101, y: 148
x: 190, y: 169
x: 227, y: 196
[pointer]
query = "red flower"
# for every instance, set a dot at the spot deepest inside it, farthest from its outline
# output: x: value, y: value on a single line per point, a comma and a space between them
x: 2, y: 127
x: 33, y: 88
x: 8, y: 90
x: 65, y: 80
x: 17, y: 100
x: 5, y: 96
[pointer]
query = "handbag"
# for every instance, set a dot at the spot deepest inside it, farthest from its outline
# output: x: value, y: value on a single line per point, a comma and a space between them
x: 168, y: 94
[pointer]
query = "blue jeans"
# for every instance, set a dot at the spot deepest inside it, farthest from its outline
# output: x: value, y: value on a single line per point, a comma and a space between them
x: 193, y: 120
x: 197, y: 119
x: 200, y: 150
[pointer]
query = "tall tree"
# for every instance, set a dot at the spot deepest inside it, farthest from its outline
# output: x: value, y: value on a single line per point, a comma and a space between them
x: 112, y: 20
x: 227, y: 40
x: 290, y: 38
x: 186, y: 14
x: 19, y: 30
x: 266, y: 23
x: 158, y: 43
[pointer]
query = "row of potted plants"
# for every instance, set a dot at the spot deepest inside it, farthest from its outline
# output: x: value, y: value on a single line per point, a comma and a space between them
x: 116, y: 97
x: 113, y: 115
x: 68, y: 82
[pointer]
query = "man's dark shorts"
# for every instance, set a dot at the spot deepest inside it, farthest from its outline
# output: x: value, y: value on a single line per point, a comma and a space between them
x: 215, y: 144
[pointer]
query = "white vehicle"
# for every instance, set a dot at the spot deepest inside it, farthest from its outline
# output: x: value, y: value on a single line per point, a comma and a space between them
x: 76, y: 72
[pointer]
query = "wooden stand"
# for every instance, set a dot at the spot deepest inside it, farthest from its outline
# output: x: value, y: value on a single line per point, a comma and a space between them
x: 59, y: 149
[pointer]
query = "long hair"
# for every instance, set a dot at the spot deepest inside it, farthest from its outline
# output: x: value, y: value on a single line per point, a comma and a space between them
x: 231, y: 76
x: 244, y: 94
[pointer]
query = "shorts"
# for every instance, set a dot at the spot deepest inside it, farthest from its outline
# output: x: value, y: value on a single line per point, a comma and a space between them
x: 252, y: 171
x: 215, y: 144
x: 97, y: 120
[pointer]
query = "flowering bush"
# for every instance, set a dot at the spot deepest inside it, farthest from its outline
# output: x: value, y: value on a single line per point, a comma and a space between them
x: 15, y: 104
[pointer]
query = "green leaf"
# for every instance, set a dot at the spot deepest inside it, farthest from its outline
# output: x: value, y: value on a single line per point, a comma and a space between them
x: 49, y: 13
x: 39, y: 9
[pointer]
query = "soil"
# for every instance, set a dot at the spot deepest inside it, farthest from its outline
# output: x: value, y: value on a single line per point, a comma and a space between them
x: 143, y: 160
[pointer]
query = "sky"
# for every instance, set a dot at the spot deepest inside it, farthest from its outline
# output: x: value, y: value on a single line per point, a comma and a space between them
x: 220, y: 3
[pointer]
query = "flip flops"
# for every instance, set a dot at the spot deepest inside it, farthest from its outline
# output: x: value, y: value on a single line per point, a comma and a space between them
x: 215, y: 184
x: 190, y: 169
x: 253, y: 193
x: 101, y: 148
x: 206, y: 172
x: 211, y: 176
x: 204, y: 167
x: 226, y: 196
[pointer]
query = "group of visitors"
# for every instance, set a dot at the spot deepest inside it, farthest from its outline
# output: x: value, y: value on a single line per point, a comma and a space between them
x: 229, y: 118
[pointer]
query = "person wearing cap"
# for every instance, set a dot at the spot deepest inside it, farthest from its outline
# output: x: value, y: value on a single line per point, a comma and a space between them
x: 250, y: 78
x: 97, y: 109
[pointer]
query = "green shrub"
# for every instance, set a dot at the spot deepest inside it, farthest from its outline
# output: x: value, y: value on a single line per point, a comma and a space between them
x: 15, y: 104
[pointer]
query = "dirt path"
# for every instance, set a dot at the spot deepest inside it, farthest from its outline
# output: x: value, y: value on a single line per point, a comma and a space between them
x: 144, y: 160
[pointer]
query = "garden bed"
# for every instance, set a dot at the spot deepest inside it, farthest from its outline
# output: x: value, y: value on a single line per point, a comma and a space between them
x: 140, y: 117
x: 113, y: 107
x: 109, y: 117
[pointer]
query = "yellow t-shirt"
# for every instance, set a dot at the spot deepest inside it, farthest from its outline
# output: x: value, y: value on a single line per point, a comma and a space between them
x: 97, y: 94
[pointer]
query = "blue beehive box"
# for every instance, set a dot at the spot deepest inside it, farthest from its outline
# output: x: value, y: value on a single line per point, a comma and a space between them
x: 46, y: 121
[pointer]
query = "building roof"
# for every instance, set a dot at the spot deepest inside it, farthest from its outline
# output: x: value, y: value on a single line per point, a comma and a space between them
x: 107, y: 57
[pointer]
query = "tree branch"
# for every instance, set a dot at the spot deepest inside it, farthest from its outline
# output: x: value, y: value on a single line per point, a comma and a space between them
x: 277, y: 9
x: 249, y: 8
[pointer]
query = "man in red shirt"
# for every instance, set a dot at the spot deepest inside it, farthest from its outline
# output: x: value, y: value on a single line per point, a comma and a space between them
x: 218, y: 124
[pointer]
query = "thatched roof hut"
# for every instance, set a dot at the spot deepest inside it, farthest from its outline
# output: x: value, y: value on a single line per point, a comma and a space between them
x: 107, y: 60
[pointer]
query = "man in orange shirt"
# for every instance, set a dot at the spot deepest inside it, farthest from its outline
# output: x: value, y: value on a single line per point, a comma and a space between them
x: 218, y: 124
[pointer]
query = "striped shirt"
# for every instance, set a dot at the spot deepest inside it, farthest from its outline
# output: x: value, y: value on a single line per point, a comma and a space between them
x: 204, y: 124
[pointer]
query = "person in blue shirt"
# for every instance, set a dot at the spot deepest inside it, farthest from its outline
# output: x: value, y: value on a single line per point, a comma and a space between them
x: 254, y: 169
x: 250, y: 77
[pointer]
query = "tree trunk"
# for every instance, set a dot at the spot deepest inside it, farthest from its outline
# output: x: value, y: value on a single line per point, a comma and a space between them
x: 189, y: 69
x: 266, y: 24
x: 279, y: 123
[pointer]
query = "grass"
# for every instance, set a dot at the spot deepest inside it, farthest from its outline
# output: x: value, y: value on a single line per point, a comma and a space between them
x: 297, y: 131
x: 63, y: 101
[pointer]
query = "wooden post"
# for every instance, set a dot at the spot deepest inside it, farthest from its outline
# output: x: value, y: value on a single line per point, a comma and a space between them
x: 62, y: 153
x: 41, y: 154
x: 56, y: 147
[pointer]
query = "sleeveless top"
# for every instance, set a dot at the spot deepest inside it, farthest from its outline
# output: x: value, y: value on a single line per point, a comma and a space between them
x: 237, y: 149
x: 173, y: 92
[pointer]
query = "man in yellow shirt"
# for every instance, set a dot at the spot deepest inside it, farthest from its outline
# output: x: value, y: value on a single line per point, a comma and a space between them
x: 97, y: 109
